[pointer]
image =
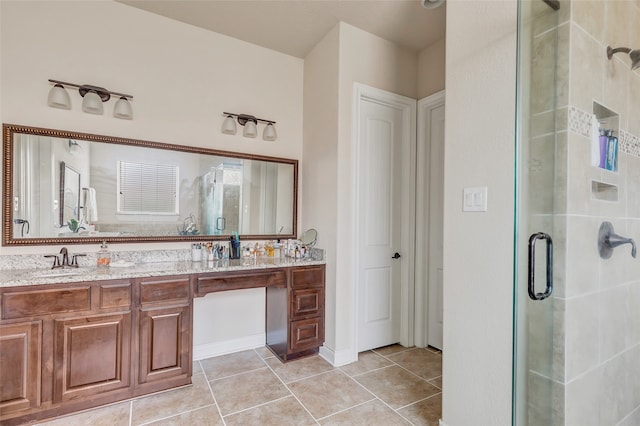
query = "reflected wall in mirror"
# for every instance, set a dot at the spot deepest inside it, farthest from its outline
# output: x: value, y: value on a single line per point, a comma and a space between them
x: 75, y: 187
x: 69, y: 196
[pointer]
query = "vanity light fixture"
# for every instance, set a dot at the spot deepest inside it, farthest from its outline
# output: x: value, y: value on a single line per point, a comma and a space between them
x: 431, y: 4
x: 250, y: 123
x: 93, y: 98
x: 633, y: 54
x: 59, y: 97
x: 269, y: 133
x: 229, y: 126
x: 250, y: 129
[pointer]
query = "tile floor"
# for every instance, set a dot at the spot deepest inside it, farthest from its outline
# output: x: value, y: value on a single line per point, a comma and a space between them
x: 393, y: 385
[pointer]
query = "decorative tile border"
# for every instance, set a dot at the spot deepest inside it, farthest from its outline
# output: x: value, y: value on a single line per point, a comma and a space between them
x: 579, y: 121
x: 629, y: 143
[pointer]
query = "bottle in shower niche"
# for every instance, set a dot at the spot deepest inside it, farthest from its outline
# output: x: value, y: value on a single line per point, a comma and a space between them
x: 604, y: 143
x: 612, y: 152
x: 103, y: 256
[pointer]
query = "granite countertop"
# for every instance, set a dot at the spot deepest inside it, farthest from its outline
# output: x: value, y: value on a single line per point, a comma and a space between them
x: 38, y: 276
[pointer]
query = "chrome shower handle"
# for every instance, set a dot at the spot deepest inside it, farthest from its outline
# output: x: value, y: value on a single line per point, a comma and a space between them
x: 608, y: 240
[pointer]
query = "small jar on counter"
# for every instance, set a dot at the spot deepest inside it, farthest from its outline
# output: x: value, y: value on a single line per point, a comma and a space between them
x: 103, y: 256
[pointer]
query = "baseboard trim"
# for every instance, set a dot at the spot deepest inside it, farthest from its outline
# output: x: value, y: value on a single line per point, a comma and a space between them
x: 336, y: 358
x: 441, y: 423
x: 209, y: 350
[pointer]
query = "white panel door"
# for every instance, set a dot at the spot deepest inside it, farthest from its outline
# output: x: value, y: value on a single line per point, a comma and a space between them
x: 380, y: 206
x: 436, y: 219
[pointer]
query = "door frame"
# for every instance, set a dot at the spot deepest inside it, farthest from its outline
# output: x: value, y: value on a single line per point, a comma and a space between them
x: 408, y: 108
x: 423, y: 215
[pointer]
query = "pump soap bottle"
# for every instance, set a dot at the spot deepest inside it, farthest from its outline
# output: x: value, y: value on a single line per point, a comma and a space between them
x: 104, y: 257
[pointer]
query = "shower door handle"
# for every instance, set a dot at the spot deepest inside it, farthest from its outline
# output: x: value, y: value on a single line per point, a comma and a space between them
x: 532, y: 266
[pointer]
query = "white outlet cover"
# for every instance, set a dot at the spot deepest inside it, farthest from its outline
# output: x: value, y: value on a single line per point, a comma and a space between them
x: 474, y: 199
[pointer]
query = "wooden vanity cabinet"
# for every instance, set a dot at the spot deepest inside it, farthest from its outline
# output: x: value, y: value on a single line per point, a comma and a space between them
x: 164, y: 358
x: 67, y: 347
x: 295, y: 315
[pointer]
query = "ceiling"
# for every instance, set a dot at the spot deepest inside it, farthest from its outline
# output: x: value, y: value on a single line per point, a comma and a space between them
x: 294, y: 27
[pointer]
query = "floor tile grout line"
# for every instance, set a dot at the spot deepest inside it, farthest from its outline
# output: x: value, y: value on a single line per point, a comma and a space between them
x: 309, y: 377
x: 381, y: 400
x: 348, y: 408
x: 371, y: 371
x: 234, y: 375
x: 131, y: 413
x: 293, y: 393
x: 213, y: 395
x: 420, y: 400
x: 261, y: 357
x: 175, y: 415
x: 262, y: 404
x: 418, y: 376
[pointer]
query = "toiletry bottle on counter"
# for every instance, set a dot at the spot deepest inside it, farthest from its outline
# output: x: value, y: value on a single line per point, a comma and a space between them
x: 103, y: 256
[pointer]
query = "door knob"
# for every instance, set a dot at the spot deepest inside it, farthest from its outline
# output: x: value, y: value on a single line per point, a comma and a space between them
x: 396, y: 256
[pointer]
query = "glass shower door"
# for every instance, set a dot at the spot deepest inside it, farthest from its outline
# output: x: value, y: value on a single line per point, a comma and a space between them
x: 537, y: 399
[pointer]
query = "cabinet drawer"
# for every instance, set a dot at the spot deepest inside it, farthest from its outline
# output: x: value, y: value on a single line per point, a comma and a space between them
x: 269, y: 278
x: 306, y: 334
x: 307, y: 302
x: 45, y: 302
x: 308, y: 276
x: 163, y: 290
x: 115, y: 295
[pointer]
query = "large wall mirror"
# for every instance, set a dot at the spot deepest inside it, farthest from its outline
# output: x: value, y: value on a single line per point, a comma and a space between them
x: 62, y: 187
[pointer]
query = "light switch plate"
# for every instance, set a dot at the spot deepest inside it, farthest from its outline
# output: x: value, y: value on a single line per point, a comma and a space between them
x: 474, y: 199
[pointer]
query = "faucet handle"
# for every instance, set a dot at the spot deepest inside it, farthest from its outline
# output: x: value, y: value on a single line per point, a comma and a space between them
x: 74, y: 260
x: 56, y: 260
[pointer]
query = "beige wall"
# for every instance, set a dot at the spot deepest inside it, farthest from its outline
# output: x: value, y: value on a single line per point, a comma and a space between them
x: 370, y: 60
x: 478, y: 247
x: 319, y: 177
x: 182, y: 79
x: 346, y: 55
x: 431, y: 69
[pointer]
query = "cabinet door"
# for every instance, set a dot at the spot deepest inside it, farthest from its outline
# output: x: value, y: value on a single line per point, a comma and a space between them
x: 20, y: 364
x: 91, y: 355
x: 165, y: 343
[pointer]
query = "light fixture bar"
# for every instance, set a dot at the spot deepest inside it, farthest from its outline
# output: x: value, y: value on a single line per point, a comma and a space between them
x: 88, y: 87
x: 243, y: 118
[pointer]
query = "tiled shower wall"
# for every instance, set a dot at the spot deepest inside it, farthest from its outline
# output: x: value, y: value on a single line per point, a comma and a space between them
x: 594, y: 363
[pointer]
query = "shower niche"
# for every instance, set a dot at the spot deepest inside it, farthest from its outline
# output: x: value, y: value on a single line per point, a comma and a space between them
x: 605, y: 131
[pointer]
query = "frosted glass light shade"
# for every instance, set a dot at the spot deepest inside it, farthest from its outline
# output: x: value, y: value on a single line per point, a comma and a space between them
x: 229, y: 125
x: 122, y: 109
x: 92, y: 103
x: 59, y: 97
x: 250, y: 130
x: 431, y: 4
x: 269, y: 133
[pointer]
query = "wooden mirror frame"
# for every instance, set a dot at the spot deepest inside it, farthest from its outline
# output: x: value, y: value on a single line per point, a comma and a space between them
x: 8, y: 130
